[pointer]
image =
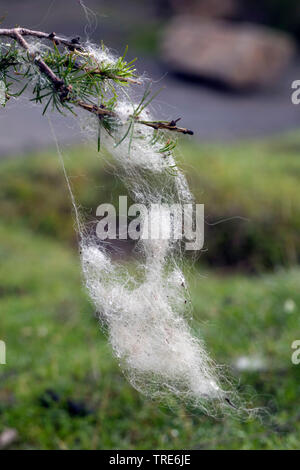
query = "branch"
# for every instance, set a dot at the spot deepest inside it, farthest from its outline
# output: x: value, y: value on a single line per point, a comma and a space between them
x: 64, y: 90
x: 44, y: 69
x: 74, y: 43
x: 170, y: 126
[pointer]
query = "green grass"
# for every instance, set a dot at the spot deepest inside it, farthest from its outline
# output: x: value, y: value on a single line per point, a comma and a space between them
x: 53, y: 338
x: 33, y: 190
x: 54, y: 342
x: 253, y: 188
x: 257, y: 181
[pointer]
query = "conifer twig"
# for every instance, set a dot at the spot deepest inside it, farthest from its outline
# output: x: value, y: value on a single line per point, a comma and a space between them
x: 64, y: 90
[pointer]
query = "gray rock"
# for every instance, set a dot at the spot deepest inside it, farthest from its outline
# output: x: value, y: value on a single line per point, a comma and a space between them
x: 8, y: 437
x: 239, y: 55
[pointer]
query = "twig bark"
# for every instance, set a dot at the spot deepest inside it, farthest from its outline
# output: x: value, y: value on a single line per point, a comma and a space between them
x: 44, y: 68
x: 41, y: 35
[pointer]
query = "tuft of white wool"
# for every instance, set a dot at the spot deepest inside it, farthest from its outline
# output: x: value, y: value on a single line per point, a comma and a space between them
x: 147, y: 330
x: 146, y: 318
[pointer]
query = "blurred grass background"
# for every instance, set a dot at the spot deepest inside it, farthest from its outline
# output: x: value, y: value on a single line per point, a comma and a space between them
x: 250, y: 191
x: 61, y: 387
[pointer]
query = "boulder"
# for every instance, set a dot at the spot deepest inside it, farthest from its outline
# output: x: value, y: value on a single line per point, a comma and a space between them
x: 238, y: 55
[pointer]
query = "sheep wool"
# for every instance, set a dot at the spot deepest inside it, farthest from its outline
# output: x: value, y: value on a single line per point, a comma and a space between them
x: 146, y: 319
